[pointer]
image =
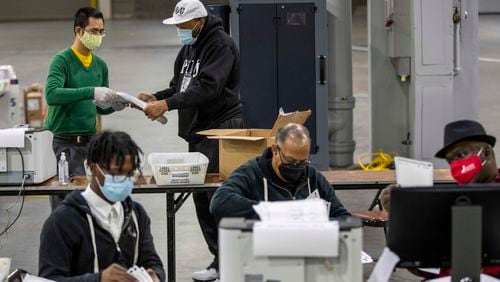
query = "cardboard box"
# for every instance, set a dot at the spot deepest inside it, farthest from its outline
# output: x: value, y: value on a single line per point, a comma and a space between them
x: 237, y: 146
x: 34, y: 105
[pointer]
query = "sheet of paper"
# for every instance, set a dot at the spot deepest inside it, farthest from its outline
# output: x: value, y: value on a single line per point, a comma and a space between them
x: 31, y: 278
x: 487, y: 278
x: 383, y: 269
x: 312, y: 210
x: 134, y: 100
x: 12, y: 137
x: 314, y: 195
x: 431, y: 270
x: 410, y: 172
x: 296, y: 239
x: 140, y: 274
x: 366, y: 258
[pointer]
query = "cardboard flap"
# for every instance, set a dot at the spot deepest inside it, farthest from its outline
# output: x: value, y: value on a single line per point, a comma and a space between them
x: 222, y: 132
x: 292, y: 117
x: 233, y: 137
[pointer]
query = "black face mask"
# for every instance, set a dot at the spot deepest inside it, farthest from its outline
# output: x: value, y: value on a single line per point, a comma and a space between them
x: 292, y: 173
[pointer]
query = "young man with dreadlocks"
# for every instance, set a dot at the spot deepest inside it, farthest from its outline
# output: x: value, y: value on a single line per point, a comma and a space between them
x: 98, y: 233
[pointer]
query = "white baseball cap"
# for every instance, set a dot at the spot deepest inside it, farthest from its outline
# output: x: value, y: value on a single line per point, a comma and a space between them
x: 186, y: 10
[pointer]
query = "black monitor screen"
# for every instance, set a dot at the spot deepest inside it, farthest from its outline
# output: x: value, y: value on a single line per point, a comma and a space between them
x: 420, y: 223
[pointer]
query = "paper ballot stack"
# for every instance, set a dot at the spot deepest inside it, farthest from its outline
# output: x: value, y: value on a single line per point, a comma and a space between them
x: 295, y: 229
x: 129, y: 99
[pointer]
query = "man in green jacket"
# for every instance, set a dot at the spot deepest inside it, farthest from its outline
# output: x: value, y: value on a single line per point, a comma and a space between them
x: 76, y: 79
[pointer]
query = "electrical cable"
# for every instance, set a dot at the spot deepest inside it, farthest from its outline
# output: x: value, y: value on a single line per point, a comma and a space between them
x: 379, y: 161
x: 22, y: 190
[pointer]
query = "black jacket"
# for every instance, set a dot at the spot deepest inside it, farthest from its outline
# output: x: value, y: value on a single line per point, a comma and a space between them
x: 212, y: 95
x: 66, y: 248
x: 244, y: 188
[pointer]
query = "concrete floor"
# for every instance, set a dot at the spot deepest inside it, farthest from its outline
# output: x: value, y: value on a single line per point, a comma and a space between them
x: 140, y: 55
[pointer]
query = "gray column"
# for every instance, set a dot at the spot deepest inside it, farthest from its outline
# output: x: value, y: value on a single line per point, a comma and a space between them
x: 340, y: 99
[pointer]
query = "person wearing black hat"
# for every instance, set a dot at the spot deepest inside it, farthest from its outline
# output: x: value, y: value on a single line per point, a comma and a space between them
x: 469, y: 151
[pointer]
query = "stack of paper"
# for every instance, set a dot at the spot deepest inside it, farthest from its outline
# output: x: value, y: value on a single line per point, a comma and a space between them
x: 293, y: 211
x: 295, y: 229
x: 129, y: 99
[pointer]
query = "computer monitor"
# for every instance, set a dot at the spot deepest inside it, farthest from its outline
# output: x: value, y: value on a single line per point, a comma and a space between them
x: 420, y: 223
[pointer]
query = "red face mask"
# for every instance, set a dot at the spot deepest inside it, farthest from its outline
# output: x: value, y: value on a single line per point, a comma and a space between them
x: 463, y: 171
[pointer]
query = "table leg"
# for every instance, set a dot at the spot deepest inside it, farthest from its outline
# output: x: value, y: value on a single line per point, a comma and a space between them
x: 179, y: 201
x: 170, y: 237
x: 375, y: 201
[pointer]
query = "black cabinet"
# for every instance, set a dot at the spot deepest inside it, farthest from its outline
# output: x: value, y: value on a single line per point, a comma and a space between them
x: 281, y: 45
x: 279, y: 61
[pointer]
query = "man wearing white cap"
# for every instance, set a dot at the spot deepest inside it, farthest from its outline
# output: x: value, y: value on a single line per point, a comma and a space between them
x: 205, y: 91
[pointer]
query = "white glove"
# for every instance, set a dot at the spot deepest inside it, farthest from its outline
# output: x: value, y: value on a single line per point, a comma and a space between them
x: 118, y: 105
x: 104, y: 94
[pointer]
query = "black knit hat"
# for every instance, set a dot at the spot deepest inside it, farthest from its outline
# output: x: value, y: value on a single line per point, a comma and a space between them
x: 463, y: 130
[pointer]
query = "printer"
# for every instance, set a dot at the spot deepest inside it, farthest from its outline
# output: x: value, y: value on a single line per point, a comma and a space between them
x: 28, y: 150
x: 239, y: 264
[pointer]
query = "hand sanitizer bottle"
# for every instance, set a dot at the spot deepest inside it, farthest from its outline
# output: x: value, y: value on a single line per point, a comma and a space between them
x: 63, y: 169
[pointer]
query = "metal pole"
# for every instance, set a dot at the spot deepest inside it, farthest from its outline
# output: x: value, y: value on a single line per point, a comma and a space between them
x: 170, y: 237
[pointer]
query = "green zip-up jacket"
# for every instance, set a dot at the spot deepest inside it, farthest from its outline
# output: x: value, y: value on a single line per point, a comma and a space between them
x: 69, y: 92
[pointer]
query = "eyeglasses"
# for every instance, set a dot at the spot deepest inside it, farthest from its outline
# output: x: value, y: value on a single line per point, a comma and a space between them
x: 95, y: 31
x: 286, y: 160
x: 120, y: 178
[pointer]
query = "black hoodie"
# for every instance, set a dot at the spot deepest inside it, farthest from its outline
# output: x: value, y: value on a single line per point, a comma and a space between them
x: 66, y: 245
x: 210, y: 70
x: 245, y: 188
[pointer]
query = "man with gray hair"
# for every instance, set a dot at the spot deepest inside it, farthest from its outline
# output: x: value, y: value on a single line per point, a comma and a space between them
x: 283, y: 170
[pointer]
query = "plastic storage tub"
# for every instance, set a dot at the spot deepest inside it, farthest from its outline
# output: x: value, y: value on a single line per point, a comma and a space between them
x: 178, y: 168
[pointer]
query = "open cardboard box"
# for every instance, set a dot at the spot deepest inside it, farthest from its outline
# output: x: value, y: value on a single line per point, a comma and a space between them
x: 236, y: 146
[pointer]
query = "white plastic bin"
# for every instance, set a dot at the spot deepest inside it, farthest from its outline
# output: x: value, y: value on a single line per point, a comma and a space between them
x: 178, y: 168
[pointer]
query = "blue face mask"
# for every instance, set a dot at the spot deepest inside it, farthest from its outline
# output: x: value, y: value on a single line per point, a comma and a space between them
x: 186, y: 36
x: 116, y: 188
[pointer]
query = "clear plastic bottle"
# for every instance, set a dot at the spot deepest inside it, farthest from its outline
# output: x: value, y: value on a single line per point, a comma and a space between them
x: 63, y: 169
